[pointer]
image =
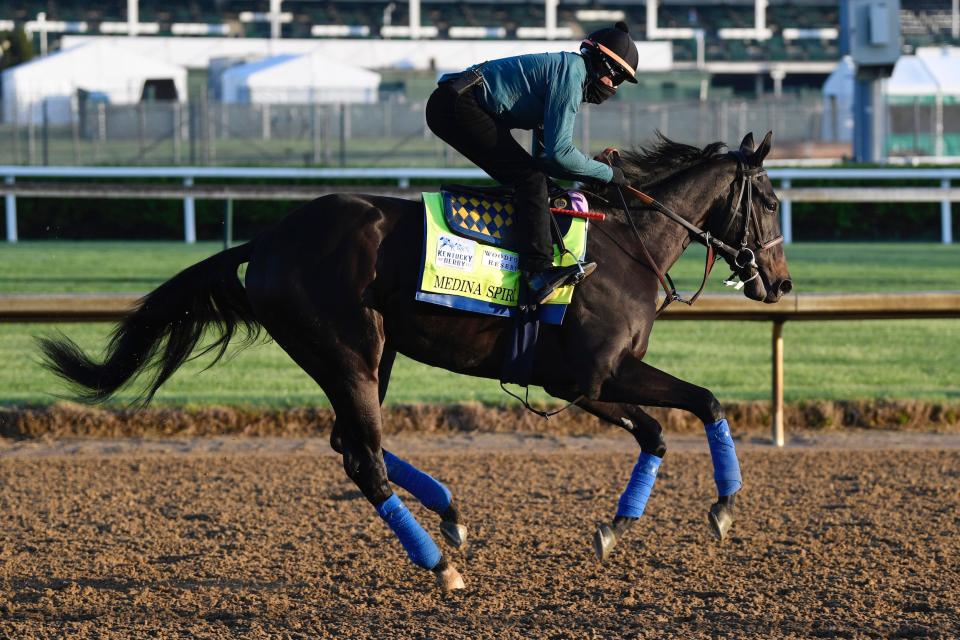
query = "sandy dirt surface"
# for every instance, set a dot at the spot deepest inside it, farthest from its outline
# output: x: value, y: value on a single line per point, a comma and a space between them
x: 838, y: 535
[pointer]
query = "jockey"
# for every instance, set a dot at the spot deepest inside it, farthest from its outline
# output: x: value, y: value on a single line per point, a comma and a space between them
x: 474, y: 111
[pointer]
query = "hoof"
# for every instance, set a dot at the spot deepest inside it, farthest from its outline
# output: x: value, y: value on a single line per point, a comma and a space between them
x: 604, y: 540
x: 720, y: 518
x: 455, y: 534
x: 450, y: 580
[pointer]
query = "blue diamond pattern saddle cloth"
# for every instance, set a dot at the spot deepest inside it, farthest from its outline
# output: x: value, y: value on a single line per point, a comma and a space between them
x: 488, y: 216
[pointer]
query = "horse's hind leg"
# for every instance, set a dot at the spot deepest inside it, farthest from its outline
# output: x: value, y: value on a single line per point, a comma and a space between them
x: 349, y: 378
x: 356, y: 405
x: 428, y: 490
x: 431, y: 493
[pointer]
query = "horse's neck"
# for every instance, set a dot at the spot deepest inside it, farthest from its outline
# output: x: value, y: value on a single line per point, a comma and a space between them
x: 667, y: 239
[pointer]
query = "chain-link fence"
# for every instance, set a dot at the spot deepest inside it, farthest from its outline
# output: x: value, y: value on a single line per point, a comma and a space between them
x: 384, y: 134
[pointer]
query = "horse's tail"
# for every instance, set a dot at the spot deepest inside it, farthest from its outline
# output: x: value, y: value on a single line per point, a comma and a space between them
x: 162, y: 331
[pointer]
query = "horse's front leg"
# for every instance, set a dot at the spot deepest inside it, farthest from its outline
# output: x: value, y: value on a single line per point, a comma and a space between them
x: 633, y: 501
x: 636, y: 382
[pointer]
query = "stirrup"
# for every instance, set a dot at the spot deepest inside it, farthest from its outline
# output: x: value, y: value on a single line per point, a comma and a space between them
x: 578, y: 277
x: 540, y: 291
x: 583, y: 270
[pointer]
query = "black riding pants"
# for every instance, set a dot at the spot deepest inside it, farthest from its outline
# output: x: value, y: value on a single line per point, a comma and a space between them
x: 464, y: 125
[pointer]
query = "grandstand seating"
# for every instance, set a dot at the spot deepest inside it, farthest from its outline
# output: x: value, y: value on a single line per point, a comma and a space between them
x: 924, y: 22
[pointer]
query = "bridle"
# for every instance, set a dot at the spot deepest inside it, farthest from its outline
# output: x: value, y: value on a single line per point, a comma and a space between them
x: 745, y: 259
x: 742, y: 259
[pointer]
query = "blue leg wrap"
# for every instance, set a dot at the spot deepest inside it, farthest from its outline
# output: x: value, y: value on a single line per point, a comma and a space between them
x: 430, y: 492
x: 420, y: 547
x: 634, y: 498
x: 726, y: 468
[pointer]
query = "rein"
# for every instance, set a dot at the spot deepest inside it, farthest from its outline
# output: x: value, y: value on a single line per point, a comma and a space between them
x: 743, y: 258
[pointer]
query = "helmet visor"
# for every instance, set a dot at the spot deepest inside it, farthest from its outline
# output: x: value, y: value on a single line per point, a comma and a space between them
x: 614, y: 71
x: 616, y: 65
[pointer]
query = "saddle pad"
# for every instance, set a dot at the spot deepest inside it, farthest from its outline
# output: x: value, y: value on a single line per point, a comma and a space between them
x: 466, y: 274
x: 489, y: 217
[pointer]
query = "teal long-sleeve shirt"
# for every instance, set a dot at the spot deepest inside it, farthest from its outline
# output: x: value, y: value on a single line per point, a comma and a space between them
x: 542, y: 90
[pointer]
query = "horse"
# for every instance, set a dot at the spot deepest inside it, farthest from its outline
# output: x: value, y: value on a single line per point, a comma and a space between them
x: 333, y: 284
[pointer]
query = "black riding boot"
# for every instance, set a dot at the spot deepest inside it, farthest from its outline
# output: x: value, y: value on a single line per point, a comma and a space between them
x: 533, y: 222
x: 536, y: 245
x: 542, y: 284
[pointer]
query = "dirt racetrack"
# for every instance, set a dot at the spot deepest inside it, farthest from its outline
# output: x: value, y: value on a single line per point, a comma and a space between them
x: 837, y: 536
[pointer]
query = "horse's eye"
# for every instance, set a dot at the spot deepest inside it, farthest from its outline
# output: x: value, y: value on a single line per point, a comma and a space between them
x: 772, y: 206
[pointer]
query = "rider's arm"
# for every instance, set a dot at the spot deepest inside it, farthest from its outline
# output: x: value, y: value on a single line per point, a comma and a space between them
x: 560, y: 157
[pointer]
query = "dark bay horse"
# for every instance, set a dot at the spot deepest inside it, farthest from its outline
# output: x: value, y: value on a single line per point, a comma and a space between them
x: 333, y: 283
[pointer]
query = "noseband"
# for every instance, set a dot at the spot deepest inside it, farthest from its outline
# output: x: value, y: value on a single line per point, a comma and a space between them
x: 742, y: 259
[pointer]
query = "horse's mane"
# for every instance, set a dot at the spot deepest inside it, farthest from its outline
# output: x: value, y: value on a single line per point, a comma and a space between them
x: 649, y: 165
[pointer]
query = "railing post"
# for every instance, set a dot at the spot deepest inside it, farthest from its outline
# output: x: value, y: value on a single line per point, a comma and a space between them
x: 228, y: 224
x: 344, y: 123
x: 786, y: 215
x: 177, y: 130
x: 946, y: 217
x: 189, y: 215
x: 11, y: 212
x: 777, y: 411
x: 45, y: 137
x: 315, y: 133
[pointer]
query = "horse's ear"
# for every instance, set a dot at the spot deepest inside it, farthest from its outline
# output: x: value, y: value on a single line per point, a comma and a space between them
x: 746, y: 145
x: 763, y: 149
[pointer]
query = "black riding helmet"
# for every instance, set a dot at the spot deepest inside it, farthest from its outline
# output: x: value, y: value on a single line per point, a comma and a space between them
x: 613, y: 50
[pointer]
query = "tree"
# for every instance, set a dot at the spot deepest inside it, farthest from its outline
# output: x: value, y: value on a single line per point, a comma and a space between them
x: 16, y: 48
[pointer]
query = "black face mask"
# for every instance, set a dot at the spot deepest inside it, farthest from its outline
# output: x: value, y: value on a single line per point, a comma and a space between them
x: 596, y: 91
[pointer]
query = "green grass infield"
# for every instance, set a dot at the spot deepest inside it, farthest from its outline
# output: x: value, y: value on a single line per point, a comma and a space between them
x: 909, y: 359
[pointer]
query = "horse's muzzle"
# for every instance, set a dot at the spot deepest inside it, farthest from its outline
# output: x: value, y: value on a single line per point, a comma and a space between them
x: 779, y: 289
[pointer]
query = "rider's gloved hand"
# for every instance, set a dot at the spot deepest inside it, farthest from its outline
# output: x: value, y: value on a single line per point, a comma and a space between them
x: 609, y: 156
x: 619, y: 178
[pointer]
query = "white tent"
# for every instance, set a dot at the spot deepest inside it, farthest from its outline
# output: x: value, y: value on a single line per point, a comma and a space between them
x: 51, y: 83
x: 369, y: 53
x: 911, y: 77
x: 837, y: 121
x: 931, y: 73
x: 299, y: 79
x: 923, y: 98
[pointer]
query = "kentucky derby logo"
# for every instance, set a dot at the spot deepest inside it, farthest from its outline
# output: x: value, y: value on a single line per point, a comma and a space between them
x: 455, y: 252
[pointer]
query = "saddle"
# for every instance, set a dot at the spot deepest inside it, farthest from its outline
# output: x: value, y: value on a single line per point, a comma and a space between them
x: 487, y: 214
x: 470, y: 262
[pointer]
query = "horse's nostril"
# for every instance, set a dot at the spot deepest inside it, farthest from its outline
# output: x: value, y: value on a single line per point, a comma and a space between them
x: 786, y: 286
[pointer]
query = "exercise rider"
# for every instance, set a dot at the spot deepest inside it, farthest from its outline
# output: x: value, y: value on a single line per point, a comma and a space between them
x: 475, y: 110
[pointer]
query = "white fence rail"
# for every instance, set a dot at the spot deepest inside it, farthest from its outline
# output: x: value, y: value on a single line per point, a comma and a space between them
x: 940, y: 190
